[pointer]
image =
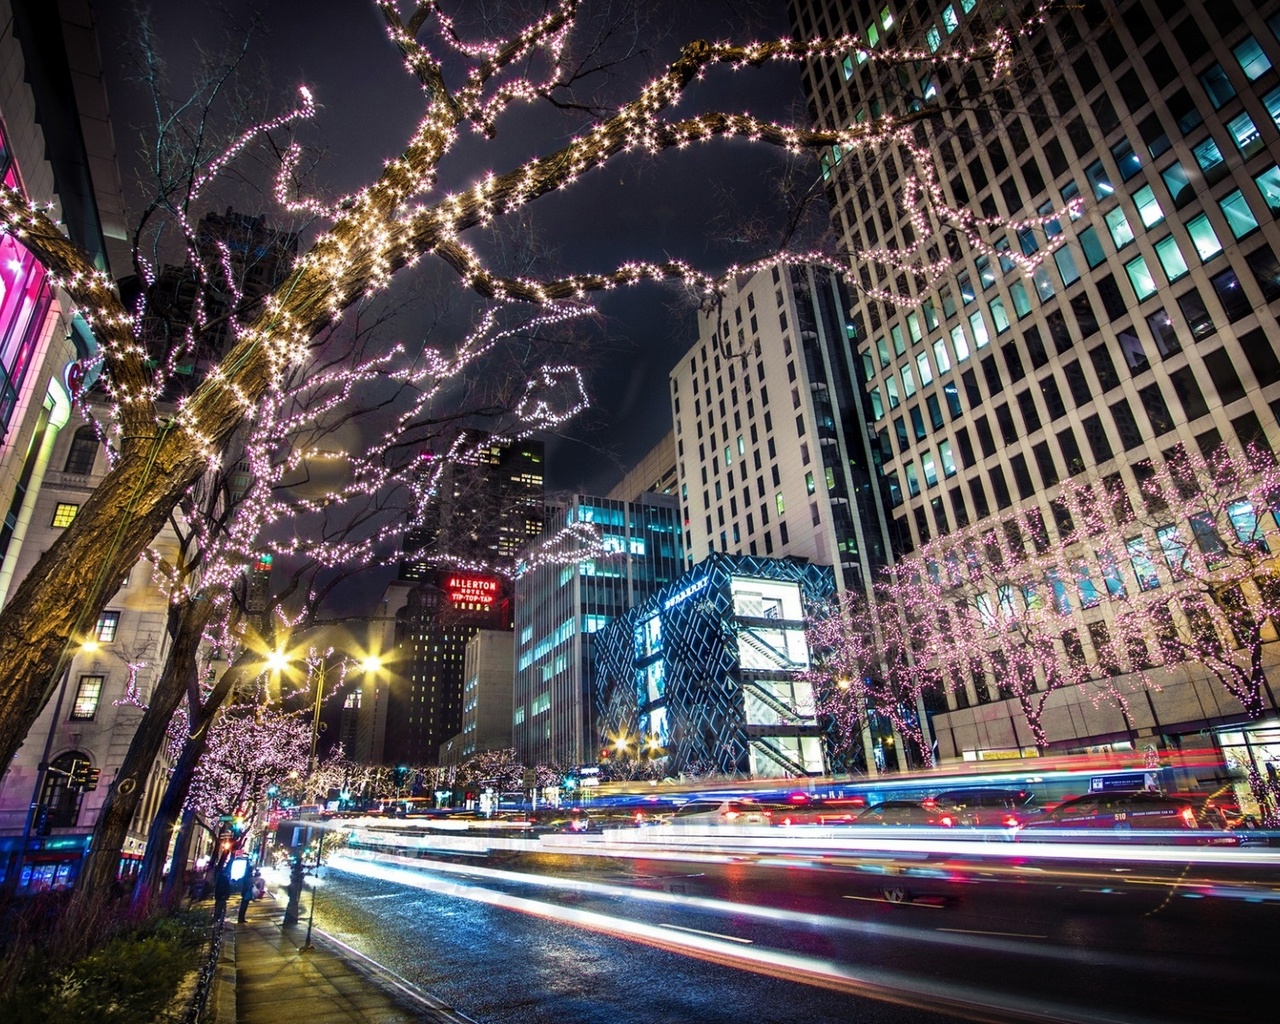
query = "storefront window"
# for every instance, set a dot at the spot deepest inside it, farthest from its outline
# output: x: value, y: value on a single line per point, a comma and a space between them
x: 25, y: 297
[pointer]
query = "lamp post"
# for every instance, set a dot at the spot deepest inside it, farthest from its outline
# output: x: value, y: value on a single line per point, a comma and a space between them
x: 367, y: 664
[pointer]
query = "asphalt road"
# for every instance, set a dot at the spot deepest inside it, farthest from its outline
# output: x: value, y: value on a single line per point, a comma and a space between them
x: 564, y: 939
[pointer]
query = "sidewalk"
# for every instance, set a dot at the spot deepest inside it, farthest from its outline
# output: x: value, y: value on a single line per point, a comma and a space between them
x: 263, y: 978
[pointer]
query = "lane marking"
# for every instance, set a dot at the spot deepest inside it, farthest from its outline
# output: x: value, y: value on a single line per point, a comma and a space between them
x: 881, y: 899
x: 1003, y: 935
x: 714, y: 935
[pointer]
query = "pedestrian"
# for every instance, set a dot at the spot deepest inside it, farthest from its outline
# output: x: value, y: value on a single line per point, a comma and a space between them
x: 247, y: 893
x: 221, y: 892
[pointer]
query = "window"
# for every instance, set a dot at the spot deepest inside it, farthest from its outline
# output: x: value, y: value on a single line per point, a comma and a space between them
x: 1100, y: 180
x: 1157, y: 411
x: 108, y: 623
x: 922, y: 364
x: 913, y: 481
x: 946, y: 458
x: 1093, y: 254
x: 1196, y: 314
x: 1144, y: 285
x: 1239, y: 217
x: 1178, y: 182
x: 1126, y: 159
x: 1266, y: 271
x: 979, y: 328
x: 1251, y: 58
x: 779, y: 503
x: 960, y: 343
x: 1118, y: 225
x: 1171, y: 258
x: 1096, y: 434
x: 1232, y: 297
x: 83, y: 451
x: 1160, y: 323
x: 1149, y: 211
x: 63, y: 513
x: 1203, y: 237
x: 1209, y: 157
x: 998, y: 315
x: 1245, y: 134
x: 1268, y: 183
x: 908, y: 382
x: 1129, y: 433
x: 88, y: 694
x: 1216, y: 84
x: 1066, y: 265
x: 940, y: 356
x: 930, y: 469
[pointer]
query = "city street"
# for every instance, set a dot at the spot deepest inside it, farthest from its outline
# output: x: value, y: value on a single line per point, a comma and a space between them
x: 564, y: 939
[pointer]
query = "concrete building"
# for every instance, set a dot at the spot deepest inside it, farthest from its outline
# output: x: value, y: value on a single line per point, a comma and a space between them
x: 56, y: 145
x: 709, y: 672
x: 560, y: 608
x: 1153, y: 326
x: 487, y: 667
x: 655, y: 473
x: 771, y: 429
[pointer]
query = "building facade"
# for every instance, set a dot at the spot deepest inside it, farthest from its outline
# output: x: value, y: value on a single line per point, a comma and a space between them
x: 771, y: 431
x: 1151, y: 326
x: 488, y: 665
x: 434, y: 619
x: 57, y: 146
x: 486, y: 507
x: 655, y: 473
x: 561, y: 607
x: 710, y: 672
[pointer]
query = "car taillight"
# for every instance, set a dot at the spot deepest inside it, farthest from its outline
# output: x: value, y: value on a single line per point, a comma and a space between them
x: 1188, y: 816
x: 639, y: 817
x: 1010, y: 821
x: 946, y: 820
x: 730, y: 815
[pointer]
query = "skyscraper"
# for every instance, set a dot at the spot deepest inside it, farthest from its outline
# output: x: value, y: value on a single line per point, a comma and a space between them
x: 561, y: 607
x: 772, y: 445
x: 1152, y: 326
x: 486, y: 507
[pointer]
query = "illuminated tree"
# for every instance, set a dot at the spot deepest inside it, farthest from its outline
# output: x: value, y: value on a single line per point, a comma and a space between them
x: 396, y: 221
x: 867, y: 663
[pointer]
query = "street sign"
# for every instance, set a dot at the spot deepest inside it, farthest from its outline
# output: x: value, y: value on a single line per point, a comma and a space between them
x: 530, y: 778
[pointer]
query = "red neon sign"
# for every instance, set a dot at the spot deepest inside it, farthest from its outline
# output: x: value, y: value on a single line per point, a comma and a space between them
x: 471, y: 590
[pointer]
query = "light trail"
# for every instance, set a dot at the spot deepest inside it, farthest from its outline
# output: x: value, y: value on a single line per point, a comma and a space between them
x: 410, y: 871
x: 868, y: 982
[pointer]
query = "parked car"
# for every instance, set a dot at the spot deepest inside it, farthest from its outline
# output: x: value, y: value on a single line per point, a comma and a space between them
x: 911, y: 812
x: 992, y: 808
x: 738, y: 811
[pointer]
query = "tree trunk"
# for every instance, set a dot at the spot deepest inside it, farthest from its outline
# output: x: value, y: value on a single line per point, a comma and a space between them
x: 173, y: 884
x: 127, y: 790
x: 175, y: 794
x: 59, y: 601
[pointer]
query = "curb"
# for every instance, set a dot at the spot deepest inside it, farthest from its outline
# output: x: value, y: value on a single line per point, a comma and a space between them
x: 222, y: 1000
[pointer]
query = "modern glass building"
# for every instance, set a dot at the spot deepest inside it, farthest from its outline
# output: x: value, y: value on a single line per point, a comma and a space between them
x: 772, y: 445
x: 559, y: 609
x: 710, y: 671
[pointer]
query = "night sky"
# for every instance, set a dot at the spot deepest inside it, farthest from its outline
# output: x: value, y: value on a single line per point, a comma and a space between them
x: 688, y: 204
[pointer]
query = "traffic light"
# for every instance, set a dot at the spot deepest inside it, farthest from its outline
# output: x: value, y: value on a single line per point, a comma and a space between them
x: 79, y: 775
x: 92, y: 783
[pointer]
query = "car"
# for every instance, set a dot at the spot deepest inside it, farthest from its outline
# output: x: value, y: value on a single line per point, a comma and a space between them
x: 737, y: 811
x: 1124, y: 812
x: 991, y: 808
x: 911, y: 812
